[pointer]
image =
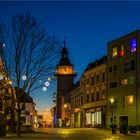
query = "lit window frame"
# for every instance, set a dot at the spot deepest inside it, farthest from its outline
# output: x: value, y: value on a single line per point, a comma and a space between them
x: 114, y: 52
x: 133, y: 45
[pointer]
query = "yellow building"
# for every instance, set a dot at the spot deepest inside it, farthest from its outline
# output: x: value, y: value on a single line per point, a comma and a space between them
x: 93, y: 87
x: 88, y: 98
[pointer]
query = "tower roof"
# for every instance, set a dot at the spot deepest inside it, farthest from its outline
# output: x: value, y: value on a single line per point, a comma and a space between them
x: 64, y: 60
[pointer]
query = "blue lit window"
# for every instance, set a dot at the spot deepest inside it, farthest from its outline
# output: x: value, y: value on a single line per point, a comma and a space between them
x: 133, y: 45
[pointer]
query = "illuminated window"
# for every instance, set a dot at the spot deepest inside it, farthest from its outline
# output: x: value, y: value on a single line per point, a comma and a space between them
x: 122, y: 50
x: 133, y: 45
x: 114, y: 53
x: 129, y: 101
x: 131, y: 80
x: 124, y: 82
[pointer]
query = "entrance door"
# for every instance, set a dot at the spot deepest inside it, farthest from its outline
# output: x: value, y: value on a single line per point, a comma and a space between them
x: 123, y: 120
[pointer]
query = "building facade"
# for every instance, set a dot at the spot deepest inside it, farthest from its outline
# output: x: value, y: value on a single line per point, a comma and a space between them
x: 28, y: 112
x: 75, y: 103
x: 93, y: 87
x: 88, y: 97
x: 124, y: 80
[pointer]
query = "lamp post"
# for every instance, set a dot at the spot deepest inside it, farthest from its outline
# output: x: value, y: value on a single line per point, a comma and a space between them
x: 65, y: 106
x: 113, y: 118
x: 112, y: 104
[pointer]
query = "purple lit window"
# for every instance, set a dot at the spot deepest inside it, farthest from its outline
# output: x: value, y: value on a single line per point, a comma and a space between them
x: 133, y: 45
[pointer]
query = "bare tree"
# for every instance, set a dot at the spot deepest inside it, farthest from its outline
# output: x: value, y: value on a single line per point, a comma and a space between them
x: 28, y: 51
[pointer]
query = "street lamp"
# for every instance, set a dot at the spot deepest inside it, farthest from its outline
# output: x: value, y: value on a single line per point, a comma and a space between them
x: 113, y: 118
x: 65, y: 106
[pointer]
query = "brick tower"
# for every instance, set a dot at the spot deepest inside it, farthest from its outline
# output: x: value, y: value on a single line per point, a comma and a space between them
x: 65, y: 81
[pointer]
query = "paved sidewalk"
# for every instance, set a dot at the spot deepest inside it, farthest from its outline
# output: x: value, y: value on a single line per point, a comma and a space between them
x: 73, y: 134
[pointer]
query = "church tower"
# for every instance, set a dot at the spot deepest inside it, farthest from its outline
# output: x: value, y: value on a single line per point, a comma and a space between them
x: 65, y: 81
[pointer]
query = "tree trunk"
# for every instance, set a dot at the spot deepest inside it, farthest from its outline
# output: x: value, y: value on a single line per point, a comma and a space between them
x: 18, y: 120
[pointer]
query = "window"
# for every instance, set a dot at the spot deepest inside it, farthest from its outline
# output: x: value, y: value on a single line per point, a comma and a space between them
x: 1, y: 105
x: 92, y: 97
x: 103, y: 77
x: 103, y: 94
x: 23, y: 120
x: 133, y: 45
x: 97, y: 96
x: 124, y: 82
x: 23, y: 106
x: 110, y: 69
x: 129, y: 101
x: 132, y: 63
x: 97, y: 78
x: 87, y: 81
x: 115, y: 68
x: 131, y: 79
x: 122, y: 50
x: 92, y: 82
x: 113, y: 84
x: 129, y: 66
x: 87, y: 98
x: 81, y: 100
x: 114, y: 52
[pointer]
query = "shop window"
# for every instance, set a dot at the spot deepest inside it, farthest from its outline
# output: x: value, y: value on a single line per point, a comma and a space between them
x: 129, y: 101
x: 114, y: 52
x: 88, y: 119
x: 133, y: 45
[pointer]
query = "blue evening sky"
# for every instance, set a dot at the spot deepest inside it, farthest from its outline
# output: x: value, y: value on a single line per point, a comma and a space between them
x: 87, y: 26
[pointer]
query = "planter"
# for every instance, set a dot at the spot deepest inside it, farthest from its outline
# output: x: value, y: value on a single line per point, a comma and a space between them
x: 124, y: 129
x: 133, y: 129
